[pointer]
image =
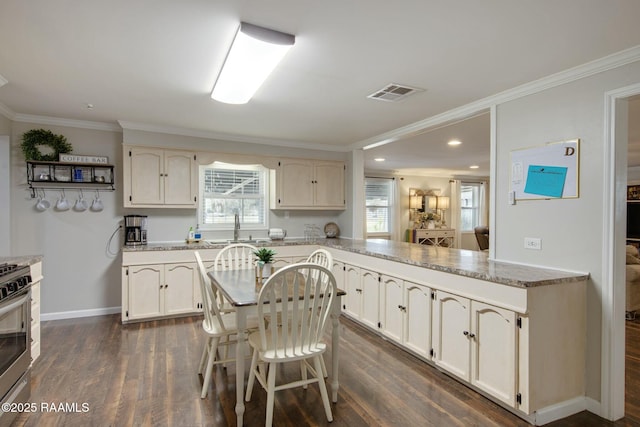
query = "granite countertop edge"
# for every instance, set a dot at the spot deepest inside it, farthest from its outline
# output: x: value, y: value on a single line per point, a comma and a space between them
x: 466, y: 263
x: 21, y: 259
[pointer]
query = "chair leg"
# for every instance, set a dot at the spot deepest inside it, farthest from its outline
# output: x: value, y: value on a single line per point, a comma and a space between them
x: 323, y: 388
x: 205, y: 351
x: 207, y: 376
x: 252, y: 375
x: 324, y: 367
x: 271, y: 385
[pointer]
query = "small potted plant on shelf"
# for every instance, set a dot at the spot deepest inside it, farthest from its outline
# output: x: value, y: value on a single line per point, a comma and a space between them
x: 265, y: 261
x: 429, y: 219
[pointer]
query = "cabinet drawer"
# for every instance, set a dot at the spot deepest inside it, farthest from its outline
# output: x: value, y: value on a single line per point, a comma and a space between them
x: 431, y: 234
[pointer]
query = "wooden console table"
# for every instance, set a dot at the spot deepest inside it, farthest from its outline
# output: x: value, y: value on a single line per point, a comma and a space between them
x: 435, y: 237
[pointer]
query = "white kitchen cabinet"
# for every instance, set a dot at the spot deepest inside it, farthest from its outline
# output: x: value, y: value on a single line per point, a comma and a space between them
x: 451, y: 344
x: 160, y: 290
x: 417, y: 318
x: 156, y: 177
x: 309, y: 184
x: 36, y: 277
x: 391, y: 307
x: 370, y: 283
x: 476, y: 342
x: 352, y: 302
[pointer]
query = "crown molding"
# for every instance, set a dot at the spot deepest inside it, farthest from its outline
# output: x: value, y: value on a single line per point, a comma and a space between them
x: 7, y: 112
x: 228, y: 137
x: 57, y: 121
x: 600, y: 65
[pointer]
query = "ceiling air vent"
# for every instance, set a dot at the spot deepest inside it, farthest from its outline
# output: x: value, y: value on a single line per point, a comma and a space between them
x: 394, y: 92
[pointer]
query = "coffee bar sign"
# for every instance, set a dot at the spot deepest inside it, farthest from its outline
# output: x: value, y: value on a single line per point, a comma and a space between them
x: 74, y: 158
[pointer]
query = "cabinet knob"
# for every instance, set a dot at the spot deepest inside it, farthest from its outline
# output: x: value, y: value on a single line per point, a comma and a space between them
x: 472, y: 335
x: 465, y: 333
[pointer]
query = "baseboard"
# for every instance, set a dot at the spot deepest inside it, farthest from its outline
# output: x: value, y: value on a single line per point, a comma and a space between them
x: 560, y: 410
x: 79, y: 313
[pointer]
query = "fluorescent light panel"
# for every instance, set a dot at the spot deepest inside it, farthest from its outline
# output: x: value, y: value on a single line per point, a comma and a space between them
x: 254, y: 53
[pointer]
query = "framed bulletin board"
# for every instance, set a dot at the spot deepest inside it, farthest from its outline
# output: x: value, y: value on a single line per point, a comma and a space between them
x: 550, y: 171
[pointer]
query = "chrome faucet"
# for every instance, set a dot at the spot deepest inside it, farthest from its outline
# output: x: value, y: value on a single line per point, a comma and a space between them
x: 236, y: 227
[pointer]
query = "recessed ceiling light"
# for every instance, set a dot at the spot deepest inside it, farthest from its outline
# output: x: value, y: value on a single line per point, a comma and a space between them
x: 454, y: 142
x: 379, y: 159
x: 474, y: 167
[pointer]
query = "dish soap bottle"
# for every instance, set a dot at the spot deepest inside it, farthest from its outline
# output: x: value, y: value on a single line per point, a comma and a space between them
x: 191, y: 234
x: 197, y: 235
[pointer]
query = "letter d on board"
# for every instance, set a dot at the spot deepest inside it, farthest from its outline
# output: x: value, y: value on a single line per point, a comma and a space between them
x: 569, y: 151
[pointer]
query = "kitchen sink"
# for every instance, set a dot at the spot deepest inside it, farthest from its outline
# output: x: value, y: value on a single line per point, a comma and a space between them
x: 230, y: 241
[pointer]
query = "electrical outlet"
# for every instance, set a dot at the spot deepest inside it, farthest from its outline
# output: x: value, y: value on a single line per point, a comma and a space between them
x: 533, y: 243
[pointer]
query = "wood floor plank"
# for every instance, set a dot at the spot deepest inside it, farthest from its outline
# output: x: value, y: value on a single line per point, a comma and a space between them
x: 145, y: 374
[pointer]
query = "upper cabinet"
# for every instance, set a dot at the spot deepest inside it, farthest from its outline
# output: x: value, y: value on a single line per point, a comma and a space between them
x: 308, y: 184
x: 157, y: 178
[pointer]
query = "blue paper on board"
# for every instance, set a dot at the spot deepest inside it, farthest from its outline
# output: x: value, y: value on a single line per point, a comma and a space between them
x: 545, y: 180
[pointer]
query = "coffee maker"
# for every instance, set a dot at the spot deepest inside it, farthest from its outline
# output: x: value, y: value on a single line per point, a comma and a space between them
x: 135, y: 230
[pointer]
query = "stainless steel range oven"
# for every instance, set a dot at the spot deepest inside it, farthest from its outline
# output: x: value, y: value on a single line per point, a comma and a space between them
x: 15, y: 339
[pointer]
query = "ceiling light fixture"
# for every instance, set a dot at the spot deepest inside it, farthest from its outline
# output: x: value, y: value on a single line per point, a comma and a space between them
x: 379, y: 159
x: 3, y: 81
x: 253, y: 55
x: 474, y: 167
x: 454, y: 142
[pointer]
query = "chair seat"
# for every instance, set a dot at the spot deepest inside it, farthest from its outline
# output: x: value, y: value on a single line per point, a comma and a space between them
x: 288, y: 353
x: 214, y: 328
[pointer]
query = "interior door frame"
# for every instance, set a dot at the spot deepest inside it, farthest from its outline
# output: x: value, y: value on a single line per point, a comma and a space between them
x: 614, y: 239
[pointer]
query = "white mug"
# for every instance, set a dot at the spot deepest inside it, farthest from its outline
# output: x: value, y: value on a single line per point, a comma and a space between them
x: 43, y: 204
x: 81, y: 205
x: 97, y: 205
x: 62, y: 204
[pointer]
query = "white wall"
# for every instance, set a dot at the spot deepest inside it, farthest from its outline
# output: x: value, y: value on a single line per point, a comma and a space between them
x: 78, y: 273
x: 572, y: 229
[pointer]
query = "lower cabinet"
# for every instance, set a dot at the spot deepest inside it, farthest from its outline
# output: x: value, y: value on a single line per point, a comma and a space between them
x: 476, y: 342
x: 362, y: 288
x: 405, y: 313
x: 161, y: 290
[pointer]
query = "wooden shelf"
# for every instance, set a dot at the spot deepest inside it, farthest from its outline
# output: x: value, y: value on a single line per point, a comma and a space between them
x: 61, y: 175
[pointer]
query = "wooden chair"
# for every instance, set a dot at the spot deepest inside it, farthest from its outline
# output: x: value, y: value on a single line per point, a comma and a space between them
x: 323, y: 258
x: 298, y: 338
x: 218, y: 326
x: 234, y: 256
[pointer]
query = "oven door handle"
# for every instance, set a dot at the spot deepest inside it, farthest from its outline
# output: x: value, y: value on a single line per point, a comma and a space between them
x: 15, y: 304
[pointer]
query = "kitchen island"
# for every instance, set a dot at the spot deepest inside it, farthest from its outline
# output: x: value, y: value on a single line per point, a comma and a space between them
x: 514, y: 333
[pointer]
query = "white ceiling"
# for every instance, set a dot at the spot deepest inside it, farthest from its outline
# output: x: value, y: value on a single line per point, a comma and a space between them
x: 153, y: 63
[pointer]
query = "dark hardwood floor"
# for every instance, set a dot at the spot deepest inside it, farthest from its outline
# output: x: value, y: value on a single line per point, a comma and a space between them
x: 144, y: 374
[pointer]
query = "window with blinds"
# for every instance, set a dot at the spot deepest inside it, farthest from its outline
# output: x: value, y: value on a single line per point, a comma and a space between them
x: 470, y: 205
x: 229, y: 189
x: 378, y: 198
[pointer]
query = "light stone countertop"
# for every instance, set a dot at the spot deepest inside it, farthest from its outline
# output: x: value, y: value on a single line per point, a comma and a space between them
x: 21, y: 260
x: 473, y: 264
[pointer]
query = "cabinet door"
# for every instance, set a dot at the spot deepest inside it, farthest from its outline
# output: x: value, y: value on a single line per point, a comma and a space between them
x: 179, y: 283
x: 338, y: 269
x: 451, y: 333
x: 295, y: 183
x: 370, y: 285
x: 352, y: 302
x: 145, y: 282
x: 329, y: 185
x: 392, y: 307
x: 280, y: 262
x: 417, y: 330
x: 493, y: 351
x: 180, y: 176
x: 146, y: 174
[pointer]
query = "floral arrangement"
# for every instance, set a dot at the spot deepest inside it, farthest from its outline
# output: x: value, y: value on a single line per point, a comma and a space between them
x: 429, y: 216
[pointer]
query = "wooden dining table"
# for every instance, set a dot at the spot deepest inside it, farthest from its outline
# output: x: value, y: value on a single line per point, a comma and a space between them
x: 240, y: 289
